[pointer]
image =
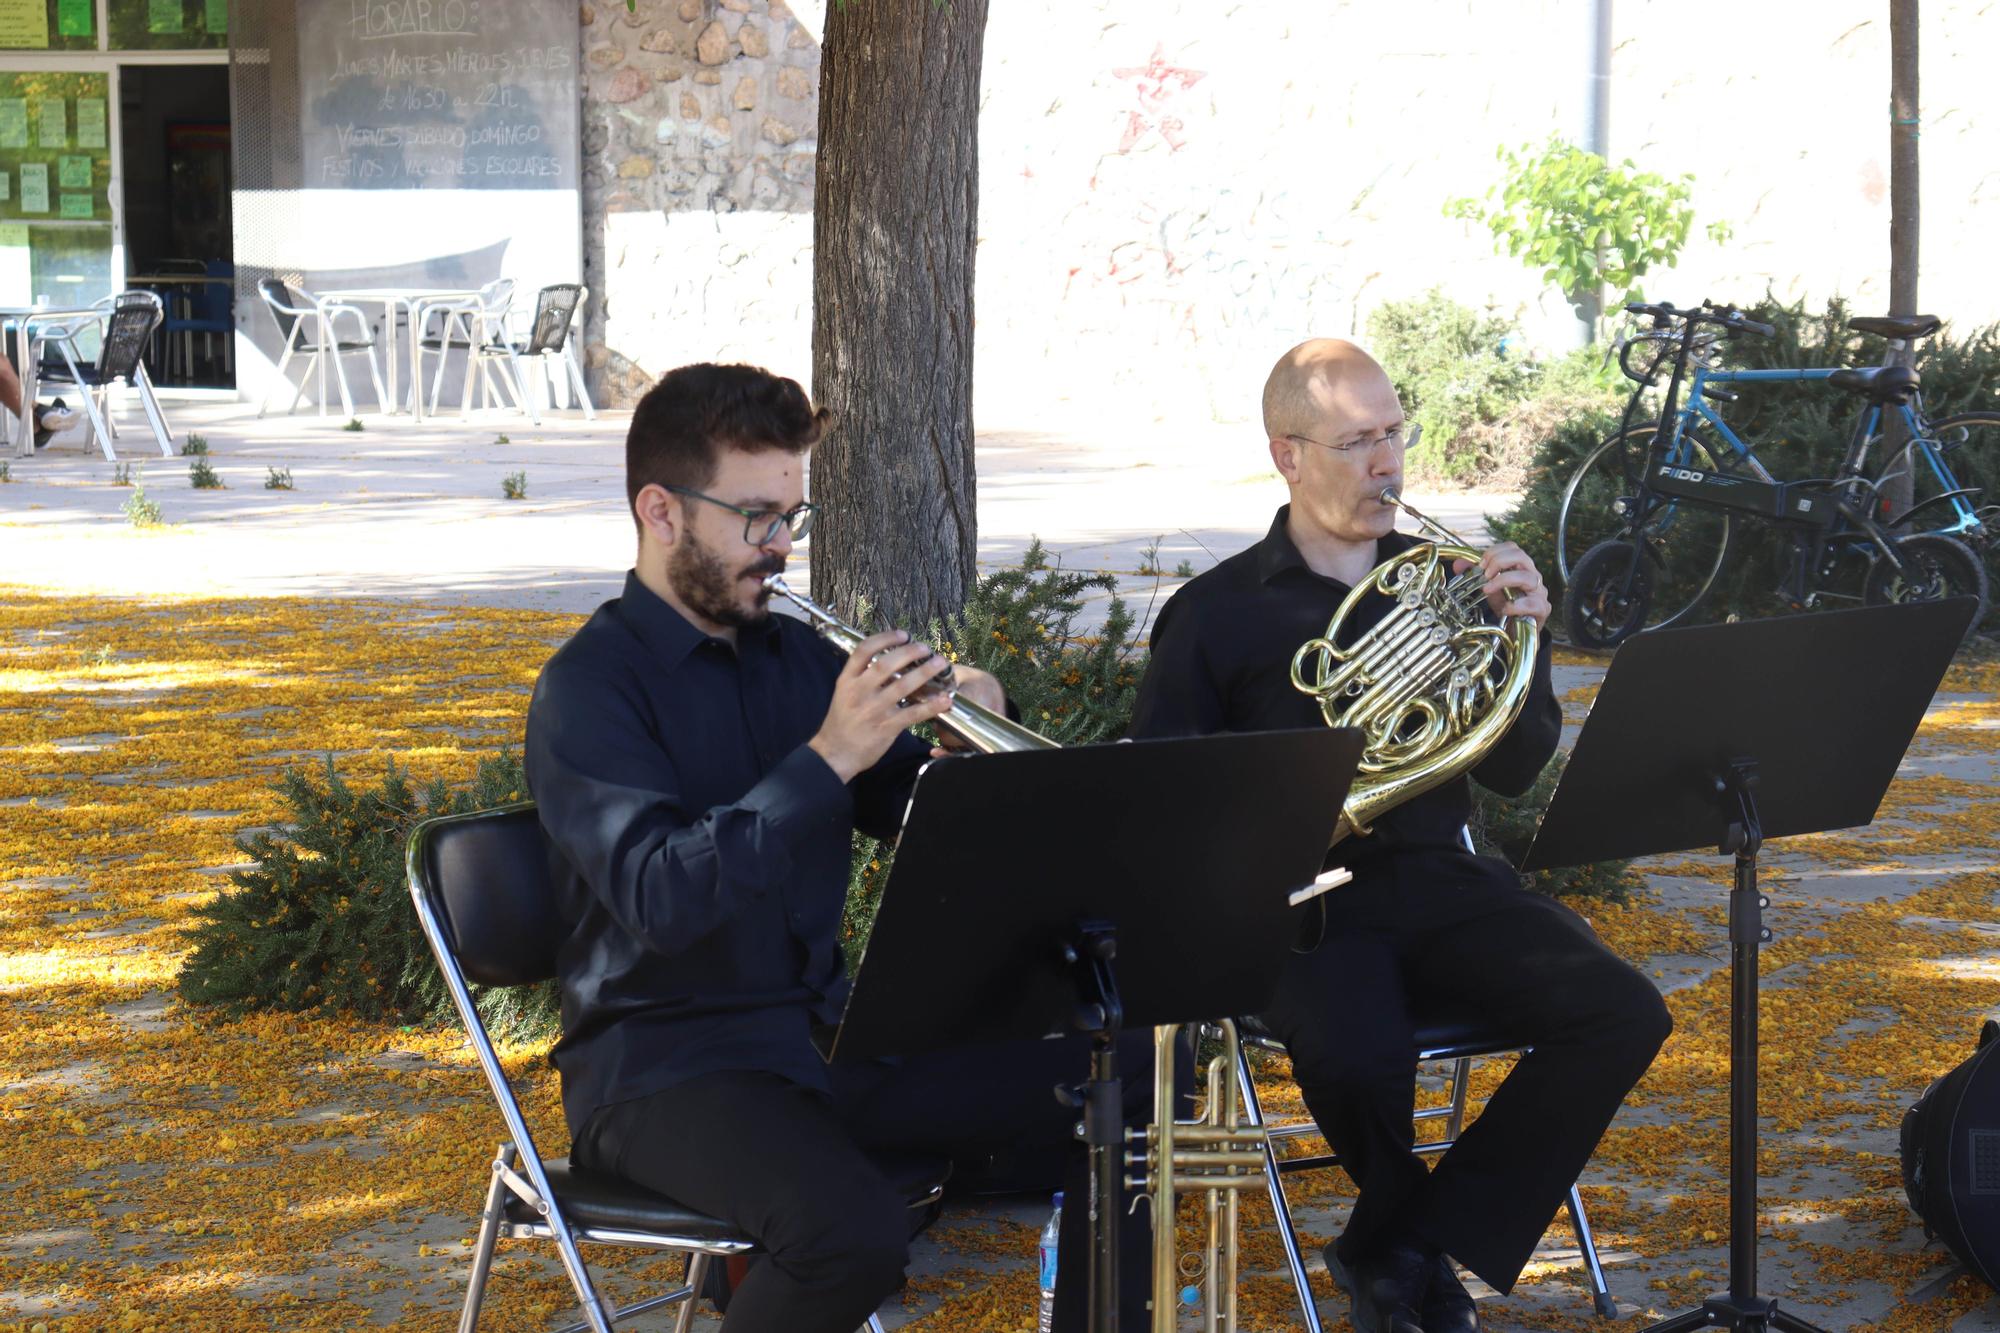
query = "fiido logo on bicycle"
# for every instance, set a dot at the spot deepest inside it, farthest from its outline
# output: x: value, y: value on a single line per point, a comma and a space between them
x: 1690, y: 474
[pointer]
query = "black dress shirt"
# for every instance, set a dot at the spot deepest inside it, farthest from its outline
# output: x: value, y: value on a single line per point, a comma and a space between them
x: 702, y: 847
x: 1221, y: 661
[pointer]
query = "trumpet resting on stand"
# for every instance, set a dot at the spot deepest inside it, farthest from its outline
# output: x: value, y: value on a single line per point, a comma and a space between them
x: 1217, y: 1155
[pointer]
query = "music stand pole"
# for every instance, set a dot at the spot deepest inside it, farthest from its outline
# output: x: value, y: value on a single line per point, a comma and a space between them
x: 1100, y: 1013
x: 1742, y: 1308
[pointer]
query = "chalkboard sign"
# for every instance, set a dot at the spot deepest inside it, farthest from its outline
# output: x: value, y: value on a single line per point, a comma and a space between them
x: 439, y: 94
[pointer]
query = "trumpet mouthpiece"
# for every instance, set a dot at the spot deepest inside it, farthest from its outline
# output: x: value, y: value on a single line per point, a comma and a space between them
x: 1389, y: 496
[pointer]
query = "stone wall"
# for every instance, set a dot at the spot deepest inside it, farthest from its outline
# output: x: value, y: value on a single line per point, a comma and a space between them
x: 1173, y: 191
x: 698, y: 141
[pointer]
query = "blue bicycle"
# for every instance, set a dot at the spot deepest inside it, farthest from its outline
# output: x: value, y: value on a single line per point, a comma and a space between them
x: 1651, y: 513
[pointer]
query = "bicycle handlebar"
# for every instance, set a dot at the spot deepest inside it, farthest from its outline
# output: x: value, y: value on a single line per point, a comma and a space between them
x: 1727, y: 317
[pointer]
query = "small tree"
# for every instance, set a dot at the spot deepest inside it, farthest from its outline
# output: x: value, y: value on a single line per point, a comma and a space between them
x: 1582, y: 222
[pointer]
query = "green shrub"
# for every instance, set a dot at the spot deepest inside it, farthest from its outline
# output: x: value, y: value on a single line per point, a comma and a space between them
x: 1483, y: 407
x: 1504, y: 826
x: 202, y: 477
x: 1799, y: 430
x: 323, y: 921
x: 1446, y: 362
x: 1019, y: 624
x: 280, y: 479
x: 514, y: 486
x: 195, y: 446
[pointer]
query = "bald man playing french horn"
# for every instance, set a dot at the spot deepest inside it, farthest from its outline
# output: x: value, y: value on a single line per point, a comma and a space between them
x: 1426, y: 932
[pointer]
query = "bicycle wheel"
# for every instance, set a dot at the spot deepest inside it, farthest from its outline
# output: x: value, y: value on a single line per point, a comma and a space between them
x: 1607, y: 600
x: 1687, y: 543
x: 1934, y: 567
x: 1970, y: 444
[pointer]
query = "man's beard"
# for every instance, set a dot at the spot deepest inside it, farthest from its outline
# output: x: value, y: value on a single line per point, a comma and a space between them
x: 707, y: 586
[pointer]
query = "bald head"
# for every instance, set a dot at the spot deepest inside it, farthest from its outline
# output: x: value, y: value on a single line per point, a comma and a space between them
x: 1319, y: 379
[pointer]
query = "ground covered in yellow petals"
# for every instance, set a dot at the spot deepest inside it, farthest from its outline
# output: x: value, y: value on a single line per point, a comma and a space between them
x: 162, y: 1168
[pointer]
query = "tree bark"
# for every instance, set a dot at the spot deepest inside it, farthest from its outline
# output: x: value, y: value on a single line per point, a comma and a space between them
x: 895, y: 217
x: 1903, y: 126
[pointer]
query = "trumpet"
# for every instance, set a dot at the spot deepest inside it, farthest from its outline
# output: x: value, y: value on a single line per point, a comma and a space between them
x: 1220, y: 1153
x: 981, y: 728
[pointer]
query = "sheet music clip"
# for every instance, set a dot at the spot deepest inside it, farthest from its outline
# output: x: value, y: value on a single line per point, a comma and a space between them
x: 1331, y: 879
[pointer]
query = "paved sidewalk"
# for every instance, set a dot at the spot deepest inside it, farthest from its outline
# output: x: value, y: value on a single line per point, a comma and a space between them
x: 398, y: 509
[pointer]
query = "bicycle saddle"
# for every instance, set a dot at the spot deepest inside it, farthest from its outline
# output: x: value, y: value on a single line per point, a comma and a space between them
x: 1898, y: 326
x: 1884, y: 384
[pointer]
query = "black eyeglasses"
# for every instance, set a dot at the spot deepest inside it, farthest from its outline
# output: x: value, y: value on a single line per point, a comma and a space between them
x: 760, y: 526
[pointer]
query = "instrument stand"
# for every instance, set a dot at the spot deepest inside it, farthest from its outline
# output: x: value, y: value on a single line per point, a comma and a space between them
x: 1100, y: 1013
x: 1819, y: 714
x: 1109, y: 917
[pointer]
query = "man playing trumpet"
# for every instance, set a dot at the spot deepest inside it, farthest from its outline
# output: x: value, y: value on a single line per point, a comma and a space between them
x: 700, y: 766
x: 1426, y: 930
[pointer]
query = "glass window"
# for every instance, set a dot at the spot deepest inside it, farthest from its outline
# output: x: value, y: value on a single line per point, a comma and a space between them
x: 168, y: 25
x: 48, y: 25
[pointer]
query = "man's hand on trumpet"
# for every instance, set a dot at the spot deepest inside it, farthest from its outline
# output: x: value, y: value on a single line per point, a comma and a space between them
x: 868, y: 710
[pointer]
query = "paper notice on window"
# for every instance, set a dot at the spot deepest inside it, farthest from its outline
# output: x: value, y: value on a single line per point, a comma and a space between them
x: 90, y: 123
x: 77, y: 206
x: 73, y: 173
x: 6, y: 186
x: 55, y: 123
x: 34, y: 187
x: 76, y: 18
x: 24, y: 24
x: 13, y: 122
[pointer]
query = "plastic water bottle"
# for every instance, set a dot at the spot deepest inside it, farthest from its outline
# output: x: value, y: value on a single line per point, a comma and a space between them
x: 1046, y: 1320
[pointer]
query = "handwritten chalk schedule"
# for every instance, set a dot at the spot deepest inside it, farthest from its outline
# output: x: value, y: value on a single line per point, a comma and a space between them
x: 452, y: 94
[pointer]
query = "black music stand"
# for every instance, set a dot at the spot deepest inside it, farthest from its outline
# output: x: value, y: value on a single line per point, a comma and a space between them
x: 1045, y: 892
x: 1723, y: 736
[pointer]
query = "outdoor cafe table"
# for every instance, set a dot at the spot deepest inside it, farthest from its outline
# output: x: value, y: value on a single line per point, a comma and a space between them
x: 420, y: 302
x: 15, y: 319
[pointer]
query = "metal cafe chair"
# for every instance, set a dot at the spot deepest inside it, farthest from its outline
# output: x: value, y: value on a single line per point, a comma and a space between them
x: 1460, y: 1043
x: 130, y: 320
x: 480, y: 883
x: 478, y: 328
x: 308, y: 325
x: 548, y: 343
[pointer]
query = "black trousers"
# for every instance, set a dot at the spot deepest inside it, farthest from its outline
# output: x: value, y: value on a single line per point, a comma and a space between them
x: 1454, y: 937
x: 788, y: 1166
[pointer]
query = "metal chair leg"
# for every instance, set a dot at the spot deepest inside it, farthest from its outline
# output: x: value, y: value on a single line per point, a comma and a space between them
x: 697, y: 1269
x: 157, y: 419
x: 1461, y: 1088
x: 1600, y: 1295
x: 1274, y: 1184
x: 576, y: 379
x: 874, y: 1324
x: 482, y: 1252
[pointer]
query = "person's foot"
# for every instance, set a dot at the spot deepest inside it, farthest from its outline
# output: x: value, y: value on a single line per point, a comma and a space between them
x: 53, y: 420
x: 1386, y: 1290
x: 1449, y: 1308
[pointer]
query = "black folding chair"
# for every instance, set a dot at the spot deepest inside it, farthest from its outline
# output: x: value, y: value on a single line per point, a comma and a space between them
x: 309, y: 325
x: 481, y: 885
x: 1459, y: 1042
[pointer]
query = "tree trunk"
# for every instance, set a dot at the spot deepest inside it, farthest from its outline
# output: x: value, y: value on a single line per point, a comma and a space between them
x: 895, y: 215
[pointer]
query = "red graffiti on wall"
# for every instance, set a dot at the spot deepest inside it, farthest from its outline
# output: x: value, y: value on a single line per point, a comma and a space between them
x: 1156, y: 83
